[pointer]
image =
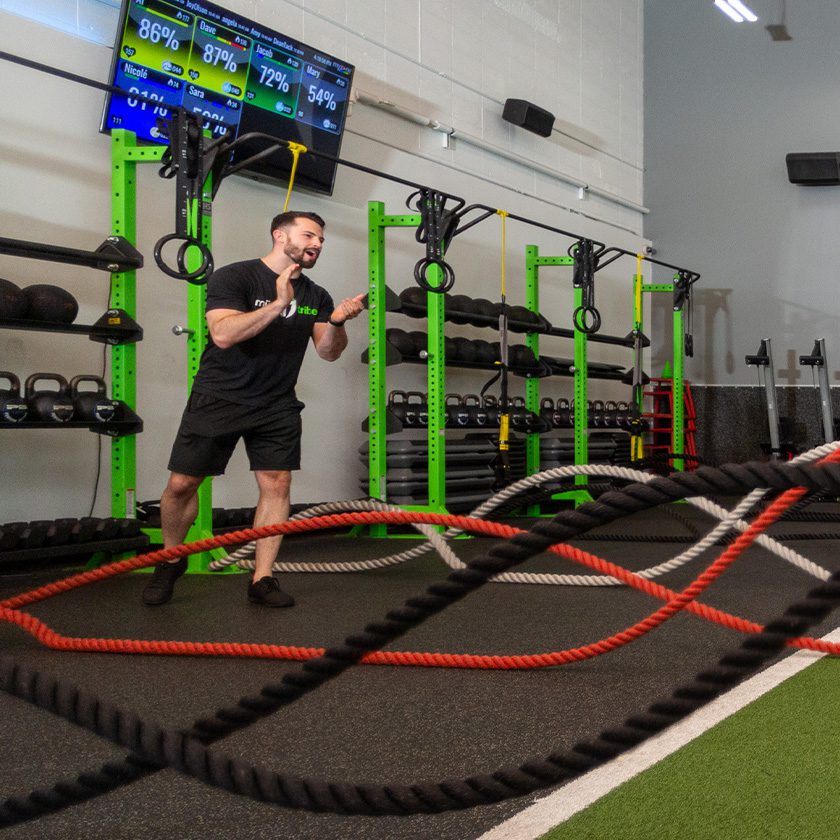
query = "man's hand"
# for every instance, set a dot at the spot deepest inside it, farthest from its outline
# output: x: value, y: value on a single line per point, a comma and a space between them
x: 285, y: 292
x: 348, y: 308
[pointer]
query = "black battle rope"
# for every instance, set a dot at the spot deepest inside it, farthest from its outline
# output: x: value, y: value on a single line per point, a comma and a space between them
x: 187, y: 752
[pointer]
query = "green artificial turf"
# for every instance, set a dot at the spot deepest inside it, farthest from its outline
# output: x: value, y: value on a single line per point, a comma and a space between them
x: 770, y: 771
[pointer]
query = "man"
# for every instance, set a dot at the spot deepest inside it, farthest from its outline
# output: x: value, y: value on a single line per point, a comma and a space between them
x: 261, y: 314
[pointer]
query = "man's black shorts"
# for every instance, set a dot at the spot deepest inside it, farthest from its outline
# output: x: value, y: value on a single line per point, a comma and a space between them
x: 211, y: 428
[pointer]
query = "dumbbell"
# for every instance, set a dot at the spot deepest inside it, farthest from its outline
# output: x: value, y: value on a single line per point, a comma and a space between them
x: 92, y: 405
x: 522, y: 356
x: 129, y: 528
x: 55, y: 406
x: 464, y: 350
x: 9, y: 534
x: 84, y: 530
x: 34, y: 535
x: 402, y: 341
x: 59, y: 533
x: 484, y: 352
x: 476, y: 412
x: 457, y: 309
x: 13, y: 408
x: 413, y: 298
x: 520, y: 318
x: 483, y: 311
x: 420, y: 342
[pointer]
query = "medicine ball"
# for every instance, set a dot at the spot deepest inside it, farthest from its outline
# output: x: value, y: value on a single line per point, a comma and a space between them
x: 12, y: 301
x: 51, y: 303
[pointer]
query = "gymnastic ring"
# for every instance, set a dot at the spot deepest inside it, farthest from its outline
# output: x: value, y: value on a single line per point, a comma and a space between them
x: 587, y: 319
x: 182, y: 265
x: 200, y: 275
x: 447, y: 281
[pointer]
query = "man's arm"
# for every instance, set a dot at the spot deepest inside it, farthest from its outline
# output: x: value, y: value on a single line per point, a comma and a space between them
x: 330, y: 339
x: 230, y: 326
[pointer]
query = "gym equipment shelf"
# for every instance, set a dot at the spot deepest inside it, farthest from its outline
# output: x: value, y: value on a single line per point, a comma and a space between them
x: 115, y: 254
x: 380, y: 354
x: 129, y: 424
x: 114, y: 327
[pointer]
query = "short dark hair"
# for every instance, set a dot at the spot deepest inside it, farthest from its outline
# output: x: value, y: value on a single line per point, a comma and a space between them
x: 287, y: 218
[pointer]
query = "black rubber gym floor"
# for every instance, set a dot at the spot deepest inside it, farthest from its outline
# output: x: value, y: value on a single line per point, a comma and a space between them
x: 374, y: 723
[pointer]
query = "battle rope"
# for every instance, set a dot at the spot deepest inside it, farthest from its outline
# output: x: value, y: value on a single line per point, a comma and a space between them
x: 187, y: 751
x: 244, y: 556
x: 55, y: 641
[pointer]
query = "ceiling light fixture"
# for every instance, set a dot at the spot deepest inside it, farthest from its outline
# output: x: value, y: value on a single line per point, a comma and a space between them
x: 736, y: 10
x: 743, y: 10
x: 729, y: 11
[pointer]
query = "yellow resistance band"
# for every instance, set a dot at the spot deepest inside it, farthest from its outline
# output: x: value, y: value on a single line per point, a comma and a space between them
x: 636, y: 441
x: 296, y: 149
x: 503, y: 215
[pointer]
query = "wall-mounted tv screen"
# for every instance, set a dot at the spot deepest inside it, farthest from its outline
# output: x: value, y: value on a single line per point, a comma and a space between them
x: 228, y: 68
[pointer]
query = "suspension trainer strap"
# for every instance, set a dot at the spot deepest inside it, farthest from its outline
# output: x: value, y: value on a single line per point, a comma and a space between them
x: 297, y: 149
x: 503, y: 460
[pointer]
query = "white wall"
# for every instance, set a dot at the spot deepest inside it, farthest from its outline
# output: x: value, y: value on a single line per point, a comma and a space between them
x: 724, y: 105
x: 455, y: 62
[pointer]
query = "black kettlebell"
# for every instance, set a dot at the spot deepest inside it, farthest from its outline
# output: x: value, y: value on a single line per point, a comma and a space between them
x: 416, y: 410
x: 92, y: 405
x: 621, y: 409
x: 13, y: 409
x: 456, y: 413
x: 52, y: 406
x: 547, y: 411
x: 476, y: 412
x: 397, y: 405
x: 491, y: 406
x: 597, y: 414
x: 610, y: 413
x: 518, y: 413
x: 562, y: 418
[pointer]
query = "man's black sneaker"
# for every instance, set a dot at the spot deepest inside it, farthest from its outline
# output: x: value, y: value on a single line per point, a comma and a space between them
x: 267, y: 591
x: 159, y: 589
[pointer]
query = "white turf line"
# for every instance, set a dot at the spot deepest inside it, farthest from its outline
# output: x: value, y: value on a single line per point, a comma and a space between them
x: 557, y: 807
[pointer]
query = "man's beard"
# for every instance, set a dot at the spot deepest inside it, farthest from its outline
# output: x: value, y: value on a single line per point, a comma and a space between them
x: 299, y: 256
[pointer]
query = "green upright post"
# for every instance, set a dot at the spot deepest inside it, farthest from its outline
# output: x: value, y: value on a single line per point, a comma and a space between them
x: 124, y: 296
x: 436, y: 382
x: 125, y: 155
x: 533, y: 263
x: 532, y: 384
x: 377, y: 441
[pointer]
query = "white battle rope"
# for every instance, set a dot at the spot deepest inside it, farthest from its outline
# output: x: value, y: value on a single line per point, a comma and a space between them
x: 728, y: 520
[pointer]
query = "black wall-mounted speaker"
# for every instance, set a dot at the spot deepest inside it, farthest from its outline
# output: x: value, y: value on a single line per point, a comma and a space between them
x: 530, y: 116
x: 814, y: 169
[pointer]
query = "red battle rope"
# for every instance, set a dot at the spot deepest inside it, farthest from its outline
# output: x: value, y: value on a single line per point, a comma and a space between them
x: 675, y: 602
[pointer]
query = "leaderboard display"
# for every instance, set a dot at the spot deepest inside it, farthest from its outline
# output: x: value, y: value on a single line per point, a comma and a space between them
x: 228, y: 69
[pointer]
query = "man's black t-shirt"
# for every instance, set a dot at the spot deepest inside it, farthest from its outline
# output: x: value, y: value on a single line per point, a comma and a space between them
x: 264, y: 369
